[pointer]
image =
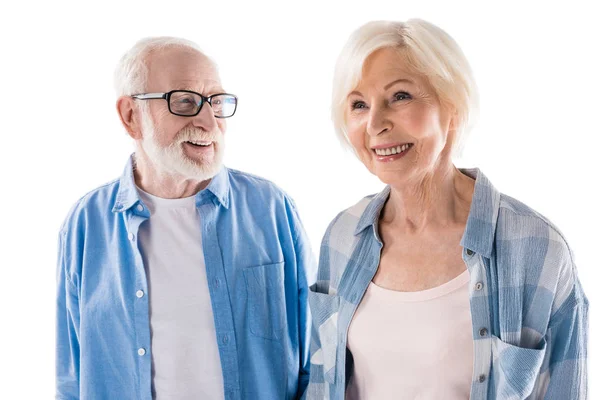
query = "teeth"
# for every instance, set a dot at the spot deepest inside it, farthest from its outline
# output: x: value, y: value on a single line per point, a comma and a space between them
x: 392, y: 150
x: 200, y: 143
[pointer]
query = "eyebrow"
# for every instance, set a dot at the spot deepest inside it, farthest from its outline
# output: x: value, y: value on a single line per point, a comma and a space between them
x: 386, y: 87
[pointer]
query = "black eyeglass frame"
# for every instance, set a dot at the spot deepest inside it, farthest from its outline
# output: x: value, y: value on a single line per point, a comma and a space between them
x: 167, y: 97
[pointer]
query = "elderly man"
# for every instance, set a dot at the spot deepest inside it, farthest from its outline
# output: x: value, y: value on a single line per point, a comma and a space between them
x: 182, y: 279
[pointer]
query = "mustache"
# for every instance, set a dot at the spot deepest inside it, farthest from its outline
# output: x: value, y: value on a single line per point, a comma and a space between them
x: 190, y: 133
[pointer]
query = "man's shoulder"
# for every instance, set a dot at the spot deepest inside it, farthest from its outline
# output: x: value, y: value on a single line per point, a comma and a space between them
x: 94, y: 203
x: 255, y: 186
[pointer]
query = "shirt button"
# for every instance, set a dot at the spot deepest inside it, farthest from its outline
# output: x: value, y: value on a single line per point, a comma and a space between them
x: 225, y: 339
x: 141, y: 351
x: 470, y: 252
x: 483, y: 332
x: 481, y: 378
x: 130, y: 236
x: 479, y: 286
x: 217, y: 282
x: 139, y: 294
x: 140, y: 207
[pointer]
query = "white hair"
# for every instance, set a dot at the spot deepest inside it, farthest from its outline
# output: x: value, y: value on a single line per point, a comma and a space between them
x: 428, y: 50
x: 131, y: 73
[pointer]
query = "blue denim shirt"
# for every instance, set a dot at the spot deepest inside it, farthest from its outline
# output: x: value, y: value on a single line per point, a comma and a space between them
x: 259, y: 267
x: 529, y: 311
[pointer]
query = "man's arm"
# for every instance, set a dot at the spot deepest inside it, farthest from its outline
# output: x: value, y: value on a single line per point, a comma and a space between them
x: 67, y: 330
x: 306, y: 267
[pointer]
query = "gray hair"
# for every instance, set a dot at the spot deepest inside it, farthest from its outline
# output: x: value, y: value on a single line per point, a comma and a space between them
x: 131, y: 74
x: 429, y: 51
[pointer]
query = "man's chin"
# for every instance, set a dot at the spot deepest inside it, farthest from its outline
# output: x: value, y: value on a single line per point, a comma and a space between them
x: 185, y: 163
x: 199, y: 171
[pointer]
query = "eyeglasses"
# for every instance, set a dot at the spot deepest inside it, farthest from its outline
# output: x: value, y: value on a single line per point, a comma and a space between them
x: 186, y: 103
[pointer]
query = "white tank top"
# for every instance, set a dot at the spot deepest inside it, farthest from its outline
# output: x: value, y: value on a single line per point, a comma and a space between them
x: 412, y: 345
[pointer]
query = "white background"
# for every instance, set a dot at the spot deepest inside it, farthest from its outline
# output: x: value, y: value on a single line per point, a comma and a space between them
x: 537, y: 140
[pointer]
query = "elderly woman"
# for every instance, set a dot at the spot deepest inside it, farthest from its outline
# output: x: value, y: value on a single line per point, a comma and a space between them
x: 439, y: 287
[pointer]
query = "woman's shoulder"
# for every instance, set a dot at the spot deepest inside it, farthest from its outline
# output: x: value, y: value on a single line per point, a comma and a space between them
x: 342, y: 238
x: 346, y: 222
x: 514, y: 229
x: 531, y: 250
x: 516, y: 220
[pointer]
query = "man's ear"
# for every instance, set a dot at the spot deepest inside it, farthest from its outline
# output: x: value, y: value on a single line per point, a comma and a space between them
x: 130, y: 116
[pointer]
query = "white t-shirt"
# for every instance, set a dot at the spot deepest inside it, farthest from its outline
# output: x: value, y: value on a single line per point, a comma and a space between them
x: 412, y: 345
x: 185, y: 356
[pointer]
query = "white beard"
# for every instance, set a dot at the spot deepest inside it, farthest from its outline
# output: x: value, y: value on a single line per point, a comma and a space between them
x: 171, y: 160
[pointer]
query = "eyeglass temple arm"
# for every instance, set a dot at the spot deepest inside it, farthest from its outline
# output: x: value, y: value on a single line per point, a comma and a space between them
x: 145, y: 96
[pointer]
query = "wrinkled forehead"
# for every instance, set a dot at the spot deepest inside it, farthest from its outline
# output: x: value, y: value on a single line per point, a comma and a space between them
x: 181, y: 68
x: 386, y: 65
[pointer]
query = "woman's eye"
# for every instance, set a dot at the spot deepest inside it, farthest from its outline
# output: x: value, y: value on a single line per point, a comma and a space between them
x: 358, y: 104
x: 401, y: 96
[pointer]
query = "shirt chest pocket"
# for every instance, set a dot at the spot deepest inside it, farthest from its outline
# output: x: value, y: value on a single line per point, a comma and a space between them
x: 517, y: 368
x: 266, y: 300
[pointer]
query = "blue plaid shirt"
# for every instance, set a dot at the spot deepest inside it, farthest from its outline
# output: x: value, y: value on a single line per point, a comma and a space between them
x: 258, y: 266
x: 529, y: 312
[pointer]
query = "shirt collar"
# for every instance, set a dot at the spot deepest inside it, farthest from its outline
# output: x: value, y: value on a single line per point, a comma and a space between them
x: 218, y: 188
x: 481, y: 223
x: 371, y: 214
x: 128, y: 196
